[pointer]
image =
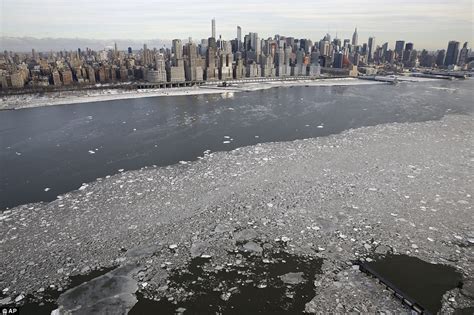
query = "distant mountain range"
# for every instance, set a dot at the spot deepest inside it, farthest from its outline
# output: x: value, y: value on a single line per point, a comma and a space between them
x: 25, y: 44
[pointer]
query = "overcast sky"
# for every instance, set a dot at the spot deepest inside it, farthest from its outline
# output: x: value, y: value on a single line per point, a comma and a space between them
x: 427, y: 23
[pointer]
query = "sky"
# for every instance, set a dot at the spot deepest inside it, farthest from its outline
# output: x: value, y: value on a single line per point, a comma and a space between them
x: 428, y: 24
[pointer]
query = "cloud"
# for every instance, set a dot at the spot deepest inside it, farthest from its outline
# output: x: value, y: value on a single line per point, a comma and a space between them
x: 432, y: 22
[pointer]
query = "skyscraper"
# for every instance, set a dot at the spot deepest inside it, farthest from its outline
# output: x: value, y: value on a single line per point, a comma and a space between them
x: 463, y: 55
x: 452, y: 53
x: 399, y: 44
x: 177, y: 50
x: 213, y: 28
x: 440, y: 57
x: 239, y: 38
x: 371, y: 48
x: 355, y: 38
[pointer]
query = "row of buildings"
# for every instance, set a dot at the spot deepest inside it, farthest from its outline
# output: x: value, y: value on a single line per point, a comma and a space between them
x: 246, y: 56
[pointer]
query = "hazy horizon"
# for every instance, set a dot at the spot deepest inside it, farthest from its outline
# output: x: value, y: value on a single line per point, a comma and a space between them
x: 428, y: 24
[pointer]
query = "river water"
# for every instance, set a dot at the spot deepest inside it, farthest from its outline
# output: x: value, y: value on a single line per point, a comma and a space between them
x: 47, y: 151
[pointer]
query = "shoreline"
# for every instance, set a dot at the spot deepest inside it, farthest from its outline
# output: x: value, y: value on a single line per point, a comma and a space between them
x: 76, y: 97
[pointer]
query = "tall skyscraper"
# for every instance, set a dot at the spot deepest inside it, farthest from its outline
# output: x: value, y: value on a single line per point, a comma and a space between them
x: 440, y: 57
x: 355, y: 38
x: 399, y: 44
x: 371, y: 48
x: 452, y: 53
x: 239, y: 38
x: 463, y: 55
x: 214, y: 28
x: 177, y: 50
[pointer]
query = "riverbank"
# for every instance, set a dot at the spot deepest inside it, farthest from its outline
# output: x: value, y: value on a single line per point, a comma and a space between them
x: 87, y: 96
x: 340, y: 198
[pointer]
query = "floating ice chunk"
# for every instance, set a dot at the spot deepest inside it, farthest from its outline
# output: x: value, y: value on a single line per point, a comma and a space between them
x: 257, y: 137
x: 227, y: 137
x: 173, y: 246
x: 430, y: 239
x: 84, y: 186
x: 121, y: 170
x: 205, y: 256
x: 253, y: 247
x: 320, y: 127
x: 292, y: 278
x: 19, y: 298
x: 91, y: 152
x: 183, y: 162
x: 372, y: 189
x: 47, y: 189
x: 17, y: 153
x: 225, y: 142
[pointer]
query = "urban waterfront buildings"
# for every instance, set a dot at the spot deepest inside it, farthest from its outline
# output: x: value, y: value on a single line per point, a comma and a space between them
x: 452, y: 53
x: 214, y: 58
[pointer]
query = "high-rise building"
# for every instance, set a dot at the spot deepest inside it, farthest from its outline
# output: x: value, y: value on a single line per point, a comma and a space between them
x: 440, y: 57
x: 371, y: 48
x: 407, y: 53
x: 463, y: 54
x: 452, y: 53
x: 338, y: 60
x: 177, y: 50
x: 399, y: 44
x: 355, y: 38
x: 239, y: 38
x: 146, y: 55
x: 213, y: 22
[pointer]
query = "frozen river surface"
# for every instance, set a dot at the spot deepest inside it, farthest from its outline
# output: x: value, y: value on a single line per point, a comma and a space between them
x: 48, y: 151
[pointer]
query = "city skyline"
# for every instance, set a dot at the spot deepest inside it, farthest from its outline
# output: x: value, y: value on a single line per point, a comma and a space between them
x: 387, y: 22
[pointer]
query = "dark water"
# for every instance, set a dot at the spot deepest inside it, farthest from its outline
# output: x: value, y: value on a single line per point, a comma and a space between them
x: 255, y: 287
x: 49, y: 147
x: 417, y: 280
x: 48, y: 303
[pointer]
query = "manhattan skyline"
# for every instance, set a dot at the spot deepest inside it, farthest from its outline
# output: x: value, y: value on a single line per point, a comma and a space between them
x: 429, y: 28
